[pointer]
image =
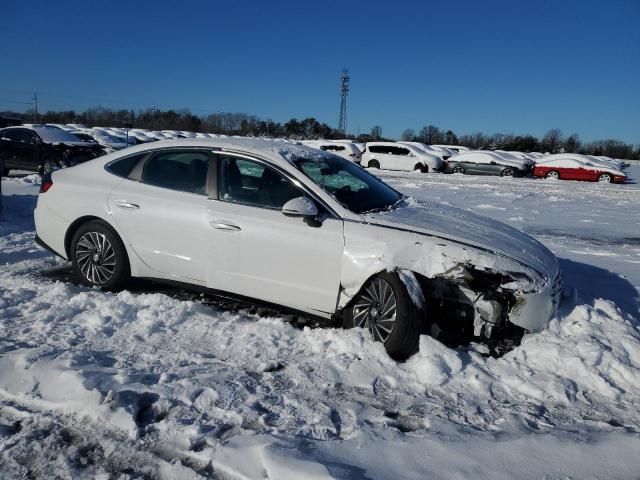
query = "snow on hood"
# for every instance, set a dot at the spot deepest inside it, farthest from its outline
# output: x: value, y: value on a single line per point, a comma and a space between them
x: 469, y: 228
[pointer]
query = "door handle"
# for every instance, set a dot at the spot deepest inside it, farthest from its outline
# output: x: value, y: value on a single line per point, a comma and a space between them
x: 225, y: 227
x: 127, y: 205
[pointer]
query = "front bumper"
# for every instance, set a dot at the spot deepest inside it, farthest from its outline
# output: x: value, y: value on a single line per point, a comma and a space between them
x: 533, y: 311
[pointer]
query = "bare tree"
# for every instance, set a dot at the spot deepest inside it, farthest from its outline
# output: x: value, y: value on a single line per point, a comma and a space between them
x: 431, y: 134
x: 552, y: 141
x: 376, y: 132
x: 408, y: 135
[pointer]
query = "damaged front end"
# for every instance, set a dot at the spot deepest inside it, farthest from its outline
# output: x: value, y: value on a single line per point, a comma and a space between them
x: 470, y: 292
x: 480, y: 304
x: 63, y: 155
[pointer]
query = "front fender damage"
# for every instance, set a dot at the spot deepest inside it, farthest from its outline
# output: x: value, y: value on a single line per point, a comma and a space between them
x: 462, y: 287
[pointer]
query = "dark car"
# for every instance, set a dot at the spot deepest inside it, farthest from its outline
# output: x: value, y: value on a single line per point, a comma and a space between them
x: 43, y: 149
x: 487, y: 163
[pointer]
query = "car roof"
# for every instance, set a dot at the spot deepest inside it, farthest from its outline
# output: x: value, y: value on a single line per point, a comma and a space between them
x: 279, y: 151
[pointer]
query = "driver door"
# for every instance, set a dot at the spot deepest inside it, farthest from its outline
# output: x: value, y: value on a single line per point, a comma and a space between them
x: 256, y: 251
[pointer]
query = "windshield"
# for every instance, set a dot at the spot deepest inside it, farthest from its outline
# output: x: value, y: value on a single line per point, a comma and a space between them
x: 355, y: 189
x: 55, y: 135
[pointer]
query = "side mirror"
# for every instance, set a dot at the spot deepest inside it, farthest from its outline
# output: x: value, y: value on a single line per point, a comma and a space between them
x: 492, y: 163
x: 300, y: 207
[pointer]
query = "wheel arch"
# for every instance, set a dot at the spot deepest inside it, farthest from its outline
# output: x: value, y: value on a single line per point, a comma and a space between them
x: 77, y: 223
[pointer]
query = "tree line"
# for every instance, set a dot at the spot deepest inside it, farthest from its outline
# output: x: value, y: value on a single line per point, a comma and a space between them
x: 236, y: 123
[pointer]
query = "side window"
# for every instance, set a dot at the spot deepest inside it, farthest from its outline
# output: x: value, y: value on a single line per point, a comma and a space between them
x: 398, y: 151
x: 377, y: 149
x: 123, y: 167
x: 182, y: 170
x: 20, y: 135
x: 10, y: 135
x: 29, y: 137
x: 252, y: 183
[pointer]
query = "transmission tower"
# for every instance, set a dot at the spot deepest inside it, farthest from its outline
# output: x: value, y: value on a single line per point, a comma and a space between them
x: 344, y: 91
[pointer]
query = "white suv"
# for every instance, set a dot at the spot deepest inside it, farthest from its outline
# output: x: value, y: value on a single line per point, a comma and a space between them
x: 396, y: 156
x: 346, y: 150
x: 293, y: 226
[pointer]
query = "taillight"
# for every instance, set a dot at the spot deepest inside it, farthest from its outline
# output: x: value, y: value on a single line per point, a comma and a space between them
x: 46, y: 183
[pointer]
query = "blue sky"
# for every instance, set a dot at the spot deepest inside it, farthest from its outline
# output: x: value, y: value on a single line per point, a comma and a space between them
x: 490, y: 66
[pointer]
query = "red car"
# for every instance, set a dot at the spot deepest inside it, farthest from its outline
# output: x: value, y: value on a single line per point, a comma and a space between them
x: 577, y: 169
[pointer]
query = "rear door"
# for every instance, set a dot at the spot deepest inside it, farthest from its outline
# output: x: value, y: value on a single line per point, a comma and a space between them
x: 253, y: 249
x: 401, y: 159
x: 161, y: 209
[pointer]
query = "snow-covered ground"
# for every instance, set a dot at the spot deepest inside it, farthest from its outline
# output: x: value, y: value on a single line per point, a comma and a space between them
x: 131, y: 385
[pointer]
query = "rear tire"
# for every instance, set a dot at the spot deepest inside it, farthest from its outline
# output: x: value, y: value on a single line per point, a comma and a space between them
x: 369, y: 309
x: 423, y: 168
x: 373, y: 164
x: 99, y: 257
x: 508, y: 172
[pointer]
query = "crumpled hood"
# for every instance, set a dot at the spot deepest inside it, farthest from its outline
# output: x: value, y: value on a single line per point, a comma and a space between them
x: 471, y: 229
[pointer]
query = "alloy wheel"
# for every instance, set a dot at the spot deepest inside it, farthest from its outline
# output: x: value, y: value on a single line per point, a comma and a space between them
x: 605, y: 178
x: 96, y: 257
x: 375, y: 309
x: 553, y: 174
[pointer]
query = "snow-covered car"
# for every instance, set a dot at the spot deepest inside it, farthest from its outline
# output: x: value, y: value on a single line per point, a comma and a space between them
x: 397, y: 156
x: 484, y: 162
x: 577, y: 167
x: 611, y: 162
x: 454, y: 148
x: 438, y: 152
x: 346, y: 150
x: 294, y: 226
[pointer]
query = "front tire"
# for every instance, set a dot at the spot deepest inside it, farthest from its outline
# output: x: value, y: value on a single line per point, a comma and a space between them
x: 553, y: 174
x: 458, y: 169
x: 99, y: 257
x: 386, y: 309
x: 373, y: 164
x: 604, y: 178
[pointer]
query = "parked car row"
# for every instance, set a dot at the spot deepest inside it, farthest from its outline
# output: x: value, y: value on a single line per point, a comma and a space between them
x: 412, y: 156
x: 51, y: 146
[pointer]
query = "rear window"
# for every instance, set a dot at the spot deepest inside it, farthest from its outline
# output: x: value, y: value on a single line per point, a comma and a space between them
x: 123, y: 167
x: 185, y: 171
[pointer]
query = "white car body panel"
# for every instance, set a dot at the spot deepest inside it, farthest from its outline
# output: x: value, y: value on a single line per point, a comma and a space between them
x: 178, y: 248
x: 279, y: 259
x: 263, y: 258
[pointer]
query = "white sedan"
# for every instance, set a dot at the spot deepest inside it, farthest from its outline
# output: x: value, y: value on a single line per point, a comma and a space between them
x: 297, y: 227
